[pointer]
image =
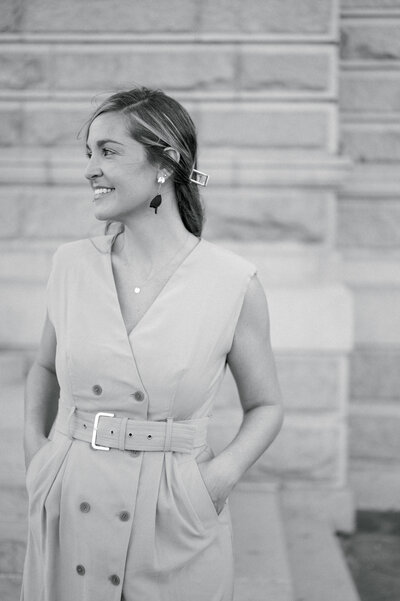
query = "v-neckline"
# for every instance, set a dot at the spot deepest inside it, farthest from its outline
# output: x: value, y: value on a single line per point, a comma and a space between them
x: 145, y: 314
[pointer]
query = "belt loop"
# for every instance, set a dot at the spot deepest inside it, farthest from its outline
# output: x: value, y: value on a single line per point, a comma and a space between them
x: 168, y: 434
x: 122, y: 433
x: 69, y: 425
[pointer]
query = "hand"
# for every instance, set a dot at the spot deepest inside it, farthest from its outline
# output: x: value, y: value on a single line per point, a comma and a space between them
x: 218, y: 484
x: 32, y: 448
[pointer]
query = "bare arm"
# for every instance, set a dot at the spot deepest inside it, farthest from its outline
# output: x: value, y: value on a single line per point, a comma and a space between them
x: 41, y: 394
x: 253, y: 367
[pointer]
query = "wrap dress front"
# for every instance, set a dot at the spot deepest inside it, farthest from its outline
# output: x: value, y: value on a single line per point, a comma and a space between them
x: 133, y: 525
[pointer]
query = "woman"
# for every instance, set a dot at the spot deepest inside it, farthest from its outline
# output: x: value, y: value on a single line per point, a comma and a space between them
x: 126, y: 498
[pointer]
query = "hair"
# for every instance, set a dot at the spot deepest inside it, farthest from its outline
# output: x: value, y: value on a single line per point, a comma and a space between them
x: 157, y: 121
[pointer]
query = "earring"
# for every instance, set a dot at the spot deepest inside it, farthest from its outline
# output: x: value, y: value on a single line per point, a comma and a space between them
x: 156, y: 201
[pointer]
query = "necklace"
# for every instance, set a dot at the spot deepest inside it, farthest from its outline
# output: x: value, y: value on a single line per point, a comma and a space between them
x: 138, y: 289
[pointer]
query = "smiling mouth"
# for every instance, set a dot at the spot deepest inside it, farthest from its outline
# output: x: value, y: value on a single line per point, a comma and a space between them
x: 98, y: 192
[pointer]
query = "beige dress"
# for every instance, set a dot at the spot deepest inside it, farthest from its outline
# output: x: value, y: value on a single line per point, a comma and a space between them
x: 133, y: 525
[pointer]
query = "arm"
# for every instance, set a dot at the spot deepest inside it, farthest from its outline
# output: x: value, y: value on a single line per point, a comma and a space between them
x: 253, y: 367
x: 41, y: 392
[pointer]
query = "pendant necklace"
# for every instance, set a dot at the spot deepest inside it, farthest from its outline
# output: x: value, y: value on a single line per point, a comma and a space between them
x: 138, y: 289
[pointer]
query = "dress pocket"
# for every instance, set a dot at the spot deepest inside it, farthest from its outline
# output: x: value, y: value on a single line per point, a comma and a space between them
x: 196, y: 495
x: 35, y: 458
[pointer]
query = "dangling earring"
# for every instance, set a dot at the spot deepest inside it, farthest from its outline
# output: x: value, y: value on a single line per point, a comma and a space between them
x: 155, y: 203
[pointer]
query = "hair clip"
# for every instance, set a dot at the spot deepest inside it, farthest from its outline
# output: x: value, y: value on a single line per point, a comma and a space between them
x: 200, y: 178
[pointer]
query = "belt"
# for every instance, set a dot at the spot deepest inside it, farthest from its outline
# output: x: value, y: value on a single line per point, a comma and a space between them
x: 104, y: 431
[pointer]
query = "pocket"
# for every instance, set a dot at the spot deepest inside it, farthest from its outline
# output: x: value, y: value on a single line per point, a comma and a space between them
x: 35, y: 458
x: 207, y: 492
x: 195, y: 494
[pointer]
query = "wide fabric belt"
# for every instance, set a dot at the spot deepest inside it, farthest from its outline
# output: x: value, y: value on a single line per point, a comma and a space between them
x: 128, y: 434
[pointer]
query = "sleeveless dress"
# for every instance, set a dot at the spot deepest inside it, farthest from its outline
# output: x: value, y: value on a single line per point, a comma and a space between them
x: 133, y: 525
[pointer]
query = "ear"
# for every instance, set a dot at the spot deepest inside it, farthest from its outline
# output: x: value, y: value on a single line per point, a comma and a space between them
x: 174, y: 155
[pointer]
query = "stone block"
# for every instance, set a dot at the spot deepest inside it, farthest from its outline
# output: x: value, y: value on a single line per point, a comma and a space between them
x: 188, y: 67
x: 11, y: 124
x: 141, y: 16
x: 287, y: 16
x: 375, y: 4
x: 276, y: 70
x: 370, y: 41
x: 13, y: 499
x: 22, y: 68
x: 25, y: 264
x: 10, y: 587
x: 12, y: 546
x: 182, y: 16
x: 377, y: 316
x: 66, y: 210
x: 374, y: 434
x: 312, y: 382
x: 11, y: 14
x: 12, y: 369
x: 11, y: 209
x: 368, y: 143
x: 268, y: 216
x: 376, y: 485
x: 11, y: 446
x: 22, y: 315
x: 371, y: 91
x: 265, y: 126
x: 303, y: 453
x: 54, y: 124
x: 375, y: 374
x: 368, y: 223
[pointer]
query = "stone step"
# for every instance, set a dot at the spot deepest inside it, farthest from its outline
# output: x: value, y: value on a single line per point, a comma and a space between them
x: 376, y: 484
x: 262, y: 568
x: 318, y: 567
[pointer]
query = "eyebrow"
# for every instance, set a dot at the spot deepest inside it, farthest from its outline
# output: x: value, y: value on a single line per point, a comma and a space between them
x: 100, y: 143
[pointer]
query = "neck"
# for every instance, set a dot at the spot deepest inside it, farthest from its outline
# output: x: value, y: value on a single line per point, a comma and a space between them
x: 150, y: 236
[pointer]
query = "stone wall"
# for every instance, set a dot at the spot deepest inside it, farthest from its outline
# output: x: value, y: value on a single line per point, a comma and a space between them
x: 261, y: 81
x: 369, y: 241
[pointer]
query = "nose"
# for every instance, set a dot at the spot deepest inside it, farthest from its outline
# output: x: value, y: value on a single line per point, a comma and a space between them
x: 92, y: 169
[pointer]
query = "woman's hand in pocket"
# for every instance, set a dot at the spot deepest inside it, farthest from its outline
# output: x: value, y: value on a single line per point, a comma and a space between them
x: 219, y: 482
x: 32, y: 448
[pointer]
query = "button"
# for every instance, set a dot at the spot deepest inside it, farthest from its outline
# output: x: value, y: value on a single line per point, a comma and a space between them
x: 139, y: 395
x: 124, y: 516
x: 115, y: 579
x: 84, y: 507
x: 80, y: 569
x: 97, y: 389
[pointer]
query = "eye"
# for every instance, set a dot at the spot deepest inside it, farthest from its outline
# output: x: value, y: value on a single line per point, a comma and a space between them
x: 107, y: 151
x: 88, y: 154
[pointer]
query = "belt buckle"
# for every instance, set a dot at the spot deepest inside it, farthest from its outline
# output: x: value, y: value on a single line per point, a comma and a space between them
x: 94, y: 433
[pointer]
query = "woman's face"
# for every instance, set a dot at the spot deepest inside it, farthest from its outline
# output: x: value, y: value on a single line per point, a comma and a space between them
x: 120, y: 174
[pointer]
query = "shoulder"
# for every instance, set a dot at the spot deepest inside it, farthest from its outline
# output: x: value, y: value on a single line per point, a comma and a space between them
x: 228, y: 261
x: 78, y: 249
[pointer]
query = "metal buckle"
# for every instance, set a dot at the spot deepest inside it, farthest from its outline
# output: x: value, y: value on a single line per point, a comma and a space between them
x: 95, y: 426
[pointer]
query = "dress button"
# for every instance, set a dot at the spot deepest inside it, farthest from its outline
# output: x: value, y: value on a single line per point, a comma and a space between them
x: 84, y: 507
x: 97, y: 389
x: 80, y: 569
x: 115, y: 579
x: 139, y: 396
x: 124, y: 516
